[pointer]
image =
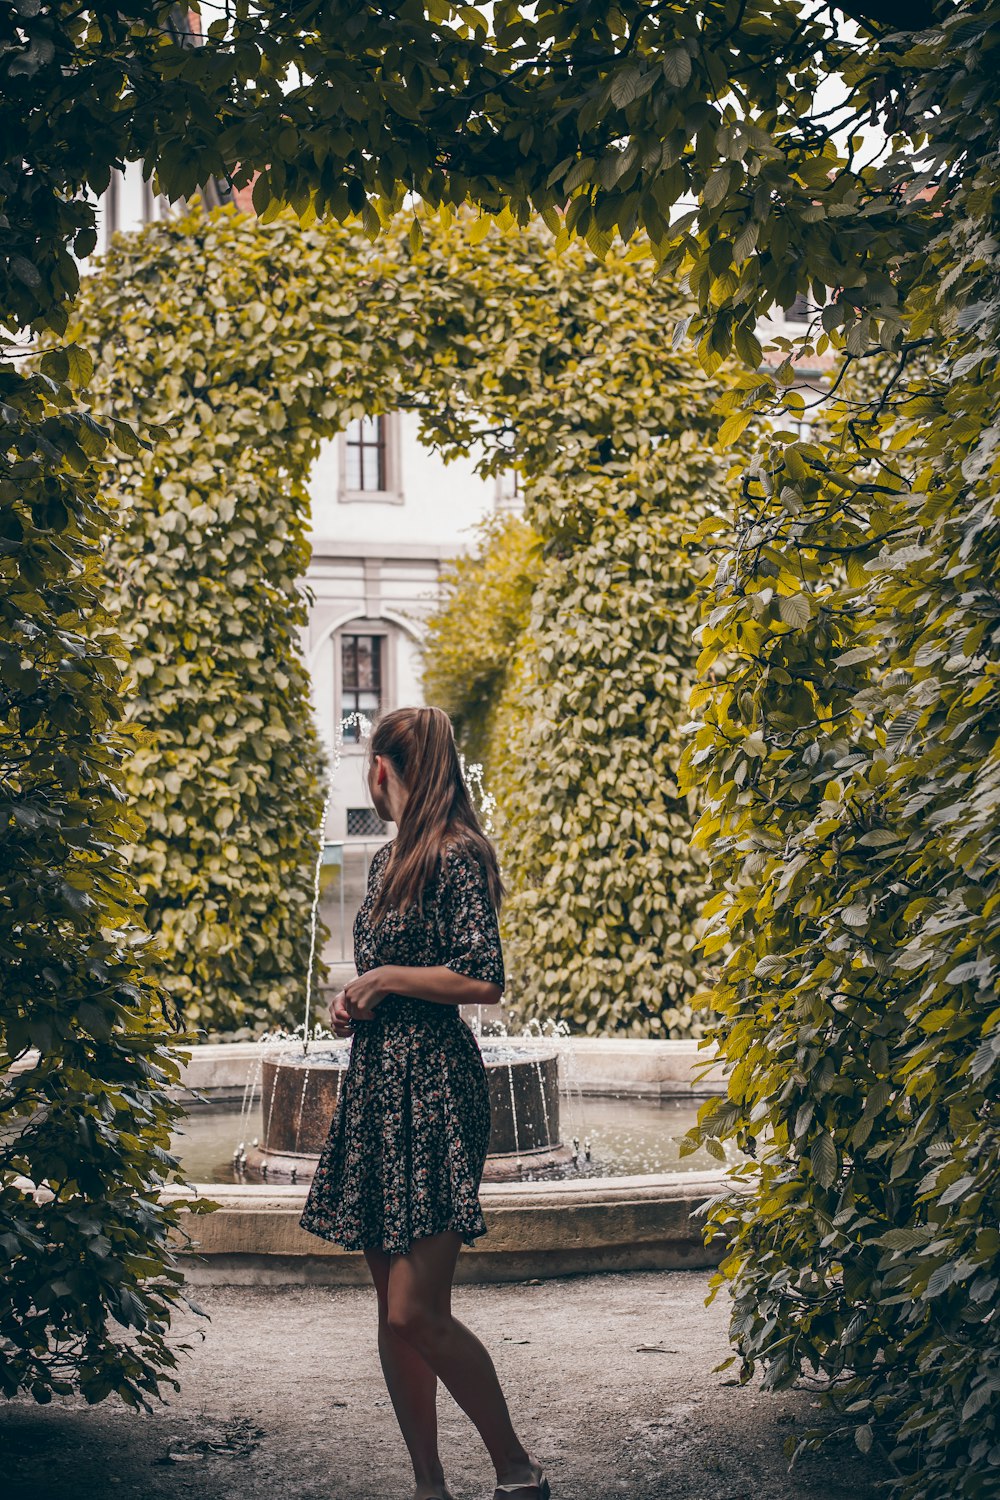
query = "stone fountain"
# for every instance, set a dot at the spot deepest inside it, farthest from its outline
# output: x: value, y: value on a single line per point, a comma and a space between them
x: 585, y: 1216
x: 299, y: 1094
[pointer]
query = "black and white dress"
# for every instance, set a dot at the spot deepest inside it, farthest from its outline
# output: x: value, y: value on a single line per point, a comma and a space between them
x: 407, y: 1144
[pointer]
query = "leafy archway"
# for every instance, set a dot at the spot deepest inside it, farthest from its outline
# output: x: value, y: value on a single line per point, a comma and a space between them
x: 251, y: 344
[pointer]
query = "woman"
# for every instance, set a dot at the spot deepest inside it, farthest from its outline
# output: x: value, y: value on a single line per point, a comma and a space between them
x: 399, y: 1174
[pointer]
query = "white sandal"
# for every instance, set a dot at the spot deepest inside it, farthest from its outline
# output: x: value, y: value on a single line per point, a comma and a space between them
x: 541, y: 1484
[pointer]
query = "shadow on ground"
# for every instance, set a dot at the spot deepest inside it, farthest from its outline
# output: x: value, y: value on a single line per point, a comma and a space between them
x: 284, y: 1397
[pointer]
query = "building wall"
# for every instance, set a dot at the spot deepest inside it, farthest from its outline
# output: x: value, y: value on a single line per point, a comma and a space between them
x: 374, y: 572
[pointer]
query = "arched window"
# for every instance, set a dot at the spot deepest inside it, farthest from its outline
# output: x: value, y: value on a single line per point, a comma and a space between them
x: 363, y: 668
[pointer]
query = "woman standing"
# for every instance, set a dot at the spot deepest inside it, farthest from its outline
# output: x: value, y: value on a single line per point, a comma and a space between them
x: 398, y: 1177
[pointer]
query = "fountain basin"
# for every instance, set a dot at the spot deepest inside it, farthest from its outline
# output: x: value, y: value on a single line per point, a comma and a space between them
x: 647, y: 1221
x: 300, y: 1094
x: 636, y: 1067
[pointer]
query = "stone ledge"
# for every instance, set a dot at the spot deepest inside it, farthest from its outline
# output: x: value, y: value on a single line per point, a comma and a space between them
x: 646, y: 1222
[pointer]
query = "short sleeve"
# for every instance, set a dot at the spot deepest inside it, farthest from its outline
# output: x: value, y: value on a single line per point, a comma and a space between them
x: 469, y: 922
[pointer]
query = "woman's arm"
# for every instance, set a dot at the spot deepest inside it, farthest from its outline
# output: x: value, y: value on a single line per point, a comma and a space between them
x: 442, y: 984
x: 436, y: 982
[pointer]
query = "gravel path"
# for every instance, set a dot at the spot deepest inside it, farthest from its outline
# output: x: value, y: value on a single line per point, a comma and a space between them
x: 284, y: 1398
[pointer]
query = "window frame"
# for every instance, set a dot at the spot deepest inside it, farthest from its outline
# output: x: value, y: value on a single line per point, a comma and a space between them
x: 391, y: 492
x: 362, y: 625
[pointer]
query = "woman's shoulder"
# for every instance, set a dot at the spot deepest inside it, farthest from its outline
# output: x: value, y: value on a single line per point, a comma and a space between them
x: 461, y: 861
x: 381, y: 855
x: 456, y: 850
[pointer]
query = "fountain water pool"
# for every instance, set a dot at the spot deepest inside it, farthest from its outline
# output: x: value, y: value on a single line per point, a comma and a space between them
x: 609, y: 1137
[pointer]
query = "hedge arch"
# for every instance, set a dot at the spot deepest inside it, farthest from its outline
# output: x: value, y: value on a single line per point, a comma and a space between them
x: 251, y: 344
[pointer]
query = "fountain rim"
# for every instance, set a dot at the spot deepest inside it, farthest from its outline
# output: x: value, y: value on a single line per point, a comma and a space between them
x: 692, y: 1047
x: 538, y: 1228
x: 565, y: 1192
x: 270, y: 1054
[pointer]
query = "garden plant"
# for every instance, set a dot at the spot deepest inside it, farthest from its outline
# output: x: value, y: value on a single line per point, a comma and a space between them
x: 246, y: 344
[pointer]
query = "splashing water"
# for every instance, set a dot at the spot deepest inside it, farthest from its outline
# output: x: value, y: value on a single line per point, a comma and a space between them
x: 364, y: 727
x: 483, y: 801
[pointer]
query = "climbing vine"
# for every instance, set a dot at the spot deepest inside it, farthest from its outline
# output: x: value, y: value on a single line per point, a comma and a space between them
x: 249, y: 344
x: 848, y: 760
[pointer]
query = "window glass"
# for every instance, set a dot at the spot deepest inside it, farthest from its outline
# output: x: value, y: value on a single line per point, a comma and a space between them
x: 360, y: 680
x: 365, y: 454
x: 364, y: 822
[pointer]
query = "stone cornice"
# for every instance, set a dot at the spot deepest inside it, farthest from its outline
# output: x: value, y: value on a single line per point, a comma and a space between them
x: 325, y: 550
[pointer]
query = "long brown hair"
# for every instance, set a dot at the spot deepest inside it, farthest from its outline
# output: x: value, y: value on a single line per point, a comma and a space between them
x: 420, y: 745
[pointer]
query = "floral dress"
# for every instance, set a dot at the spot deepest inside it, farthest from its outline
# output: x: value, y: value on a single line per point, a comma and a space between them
x: 407, y: 1144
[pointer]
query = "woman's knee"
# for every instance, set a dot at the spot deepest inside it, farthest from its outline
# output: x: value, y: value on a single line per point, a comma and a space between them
x: 417, y: 1323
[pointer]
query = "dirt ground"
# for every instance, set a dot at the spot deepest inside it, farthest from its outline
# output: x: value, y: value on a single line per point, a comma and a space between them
x: 284, y: 1397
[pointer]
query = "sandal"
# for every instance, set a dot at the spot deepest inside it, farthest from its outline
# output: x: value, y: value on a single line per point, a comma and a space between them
x: 527, y: 1489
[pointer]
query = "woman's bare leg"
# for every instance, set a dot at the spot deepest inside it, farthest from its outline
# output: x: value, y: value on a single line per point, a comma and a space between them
x: 419, y: 1296
x: 411, y: 1383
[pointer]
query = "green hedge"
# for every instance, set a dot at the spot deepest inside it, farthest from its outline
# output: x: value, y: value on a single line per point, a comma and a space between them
x: 250, y: 343
x: 471, y: 635
x: 85, y: 1118
x: 612, y: 433
x: 603, y: 916
x: 850, y: 766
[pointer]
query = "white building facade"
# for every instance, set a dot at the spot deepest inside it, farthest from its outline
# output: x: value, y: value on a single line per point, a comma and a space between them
x: 387, y: 514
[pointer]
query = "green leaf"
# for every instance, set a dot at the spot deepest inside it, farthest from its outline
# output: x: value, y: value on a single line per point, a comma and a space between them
x: 823, y: 1159
x: 795, y: 610
x: 734, y: 426
x: 677, y: 67
x: 80, y: 366
x: 625, y: 86
x: 904, y: 1239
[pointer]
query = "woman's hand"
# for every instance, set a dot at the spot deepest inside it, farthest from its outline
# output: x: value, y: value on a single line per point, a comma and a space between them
x: 340, y: 1016
x: 363, y: 995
